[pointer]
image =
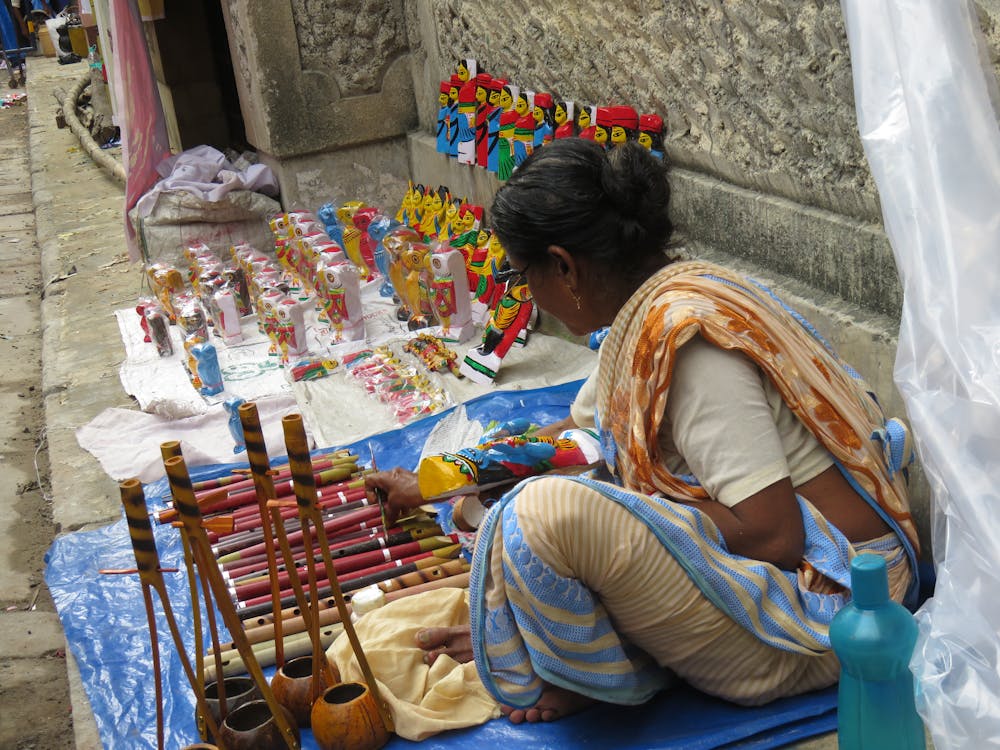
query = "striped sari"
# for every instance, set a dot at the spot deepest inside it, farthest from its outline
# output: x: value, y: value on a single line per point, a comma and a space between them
x: 605, y: 589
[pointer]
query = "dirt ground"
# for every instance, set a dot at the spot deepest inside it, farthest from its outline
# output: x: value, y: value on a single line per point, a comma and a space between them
x: 34, y: 694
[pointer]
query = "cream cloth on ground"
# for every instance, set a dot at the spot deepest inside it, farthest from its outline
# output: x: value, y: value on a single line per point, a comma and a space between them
x: 423, y: 700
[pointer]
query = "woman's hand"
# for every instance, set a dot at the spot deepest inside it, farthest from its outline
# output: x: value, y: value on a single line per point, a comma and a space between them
x: 400, y: 488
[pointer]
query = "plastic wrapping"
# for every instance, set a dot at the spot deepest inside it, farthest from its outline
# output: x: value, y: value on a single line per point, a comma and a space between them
x: 925, y: 102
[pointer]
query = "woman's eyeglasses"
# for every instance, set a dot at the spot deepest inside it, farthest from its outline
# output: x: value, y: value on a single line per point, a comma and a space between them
x: 513, y: 277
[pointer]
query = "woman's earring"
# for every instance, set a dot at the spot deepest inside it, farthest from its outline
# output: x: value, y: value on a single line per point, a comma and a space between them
x: 576, y: 298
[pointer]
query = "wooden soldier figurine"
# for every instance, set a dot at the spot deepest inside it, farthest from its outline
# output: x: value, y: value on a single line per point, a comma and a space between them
x: 524, y: 138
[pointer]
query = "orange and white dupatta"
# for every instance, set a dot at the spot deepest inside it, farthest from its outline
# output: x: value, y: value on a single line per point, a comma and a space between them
x: 688, y: 298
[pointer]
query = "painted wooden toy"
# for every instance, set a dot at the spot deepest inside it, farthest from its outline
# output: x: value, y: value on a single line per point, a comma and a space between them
x: 493, y: 124
x: 651, y: 133
x: 227, y: 324
x: 484, y: 86
x: 585, y: 121
x: 563, y: 115
x: 379, y: 227
x: 624, y: 124
x: 340, y: 296
x: 158, y: 326
x: 165, y: 281
x: 352, y: 238
x: 327, y: 214
x: 396, y: 242
x: 504, y: 460
x: 505, y: 160
x: 444, y: 104
x: 467, y: 123
x: 291, y: 330
x: 207, y: 366
x: 416, y: 284
x: 508, y: 321
x: 544, y: 116
x: 362, y: 220
x: 232, y: 406
x: 602, y: 126
x: 524, y: 138
x: 450, y: 295
x: 455, y: 84
x: 466, y: 68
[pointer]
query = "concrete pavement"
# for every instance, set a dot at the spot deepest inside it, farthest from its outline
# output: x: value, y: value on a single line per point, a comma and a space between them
x: 86, y: 276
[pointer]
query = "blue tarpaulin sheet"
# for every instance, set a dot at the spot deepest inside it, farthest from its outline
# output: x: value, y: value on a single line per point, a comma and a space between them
x: 105, y: 623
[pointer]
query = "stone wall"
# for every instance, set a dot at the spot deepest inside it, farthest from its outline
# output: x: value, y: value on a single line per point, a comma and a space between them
x: 320, y: 82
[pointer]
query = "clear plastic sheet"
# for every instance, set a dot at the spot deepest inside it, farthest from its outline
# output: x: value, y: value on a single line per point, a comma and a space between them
x: 105, y: 626
x: 925, y: 98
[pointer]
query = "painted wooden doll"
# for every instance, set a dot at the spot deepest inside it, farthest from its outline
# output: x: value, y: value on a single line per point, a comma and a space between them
x: 602, y: 126
x: 444, y: 103
x: 563, y: 115
x: 484, y: 87
x: 624, y: 124
x: 586, y: 121
x: 651, y: 134
x: 455, y: 86
x: 508, y: 321
x: 493, y: 124
x: 340, y: 295
x: 450, y: 295
x: 524, y: 138
x: 505, y: 162
x: 466, y: 68
x: 544, y: 116
x: 467, y: 123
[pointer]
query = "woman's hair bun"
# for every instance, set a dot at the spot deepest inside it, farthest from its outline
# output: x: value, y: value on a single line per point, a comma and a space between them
x: 635, y: 182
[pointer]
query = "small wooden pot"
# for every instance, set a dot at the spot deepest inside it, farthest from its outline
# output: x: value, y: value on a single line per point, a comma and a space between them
x: 252, y: 727
x: 346, y: 718
x: 239, y: 690
x: 292, y: 687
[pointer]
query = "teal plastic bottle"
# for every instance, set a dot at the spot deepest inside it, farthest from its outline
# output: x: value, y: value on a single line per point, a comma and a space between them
x: 873, y: 637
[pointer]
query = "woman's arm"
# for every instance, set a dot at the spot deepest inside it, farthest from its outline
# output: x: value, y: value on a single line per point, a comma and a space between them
x: 720, y: 423
x: 766, y: 526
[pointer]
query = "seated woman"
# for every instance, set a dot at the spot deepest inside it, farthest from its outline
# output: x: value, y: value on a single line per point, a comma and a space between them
x: 750, y: 465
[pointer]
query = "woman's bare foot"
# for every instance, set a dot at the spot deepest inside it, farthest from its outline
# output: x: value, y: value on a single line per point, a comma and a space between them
x: 455, y: 641
x: 554, y: 703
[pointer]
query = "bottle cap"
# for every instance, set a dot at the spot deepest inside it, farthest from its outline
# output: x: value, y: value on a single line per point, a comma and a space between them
x: 367, y: 599
x: 869, y: 581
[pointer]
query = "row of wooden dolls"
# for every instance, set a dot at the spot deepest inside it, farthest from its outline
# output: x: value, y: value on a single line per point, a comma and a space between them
x: 494, y: 124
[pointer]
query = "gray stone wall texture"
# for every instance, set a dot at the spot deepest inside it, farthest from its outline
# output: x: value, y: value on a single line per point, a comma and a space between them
x: 354, y: 39
x: 755, y: 92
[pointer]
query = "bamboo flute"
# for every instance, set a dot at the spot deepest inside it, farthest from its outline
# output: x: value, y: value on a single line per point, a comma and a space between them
x: 256, y: 583
x: 331, y: 615
x: 147, y: 560
x: 406, y: 580
x: 295, y: 438
x: 244, y: 493
x: 253, y: 437
x: 355, y: 500
x: 239, y: 475
x: 256, y: 609
x: 351, y: 521
x: 351, y: 547
x: 180, y: 484
x: 374, y: 573
x: 334, y: 500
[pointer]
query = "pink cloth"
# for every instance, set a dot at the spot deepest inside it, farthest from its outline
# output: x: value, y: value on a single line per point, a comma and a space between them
x: 144, y: 132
